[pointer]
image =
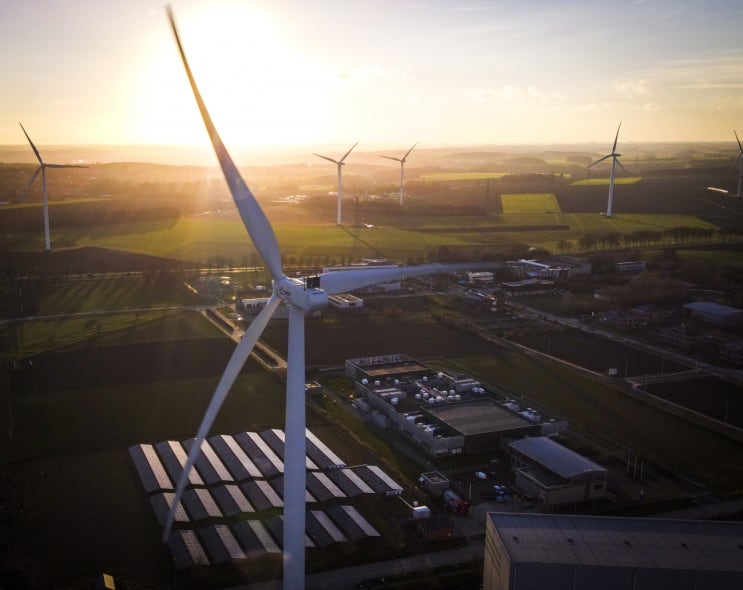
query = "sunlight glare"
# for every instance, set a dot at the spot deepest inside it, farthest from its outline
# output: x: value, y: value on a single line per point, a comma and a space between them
x: 258, y: 88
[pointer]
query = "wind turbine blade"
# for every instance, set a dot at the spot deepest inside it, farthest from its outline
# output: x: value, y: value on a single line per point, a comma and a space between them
x: 391, y: 158
x: 740, y: 147
x: 348, y: 152
x: 33, y: 177
x: 410, y: 150
x: 326, y: 158
x: 600, y: 160
x: 33, y: 147
x: 616, y: 138
x: 241, y: 354
x: 620, y: 165
x: 343, y: 281
x: 253, y: 217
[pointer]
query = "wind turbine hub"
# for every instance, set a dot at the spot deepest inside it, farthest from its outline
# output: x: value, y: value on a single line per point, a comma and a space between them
x: 303, y: 294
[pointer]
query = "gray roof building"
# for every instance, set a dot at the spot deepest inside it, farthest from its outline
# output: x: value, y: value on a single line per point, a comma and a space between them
x: 541, y: 551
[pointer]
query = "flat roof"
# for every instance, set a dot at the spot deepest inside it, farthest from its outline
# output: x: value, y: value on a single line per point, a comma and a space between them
x: 553, y: 456
x: 613, y: 541
x: 476, y: 417
x: 392, y: 369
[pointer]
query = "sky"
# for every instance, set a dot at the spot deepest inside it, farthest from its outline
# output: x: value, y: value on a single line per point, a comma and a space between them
x: 381, y: 72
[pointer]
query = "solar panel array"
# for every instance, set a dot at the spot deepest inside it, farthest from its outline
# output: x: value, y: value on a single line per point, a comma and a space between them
x: 228, y: 512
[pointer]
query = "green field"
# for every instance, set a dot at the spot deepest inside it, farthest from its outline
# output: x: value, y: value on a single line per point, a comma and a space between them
x: 448, y: 176
x: 605, y: 181
x: 199, y: 238
x: 529, y: 203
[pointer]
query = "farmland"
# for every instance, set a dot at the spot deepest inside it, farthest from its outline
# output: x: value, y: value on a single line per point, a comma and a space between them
x: 103, y: 349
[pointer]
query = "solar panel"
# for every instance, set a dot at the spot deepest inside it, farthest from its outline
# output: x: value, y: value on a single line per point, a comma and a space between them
x: 275, y: 524
x: 231, y: 500
x: 264, y: 458
x: 319, y: 452
x: 161, y: 505
x: 277, y: 483
x: 275, y: 439
x: 349, y: 481
x: 149, y: 468
x: 261, y: 495
x: 350, y: 521
x: 378, y: 480
x: 174, y: 458
x: 254, y: 538
x: 322, y: 530
x: 186, y: 549
x: 322, y: 487
x: 234, y: 458
x: 200, y: 505
x: 221, y: 545
x: 210, y: 466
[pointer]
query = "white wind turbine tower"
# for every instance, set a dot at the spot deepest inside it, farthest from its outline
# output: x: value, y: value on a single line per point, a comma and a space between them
x: 42, y: 168
x: 739, y: 160
x: 402, y: 167
x: 614, y: 161
x: 302, y: 296
x: 340, y: 165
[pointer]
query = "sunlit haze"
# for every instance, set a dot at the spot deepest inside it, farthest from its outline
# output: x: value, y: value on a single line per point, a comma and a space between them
x: 384, y: 73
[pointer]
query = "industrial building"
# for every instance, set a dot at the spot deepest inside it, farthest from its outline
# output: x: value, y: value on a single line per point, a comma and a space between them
x: 527, y: 551
x: 554, y: 475
x: 442, y: 414
x: 715, y: 314
x: 345, y: 301
x: 555, y: 267
x: 527, y: 287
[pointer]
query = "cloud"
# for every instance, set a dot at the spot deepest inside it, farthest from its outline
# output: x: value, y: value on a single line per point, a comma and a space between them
x: 632, y: 87
x: 526, y: 97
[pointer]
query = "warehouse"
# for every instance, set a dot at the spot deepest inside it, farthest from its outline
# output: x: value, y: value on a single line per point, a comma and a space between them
x: 554, y: 475
x: 527, y: 551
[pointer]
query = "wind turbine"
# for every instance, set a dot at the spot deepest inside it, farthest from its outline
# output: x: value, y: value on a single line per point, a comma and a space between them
x: 302, y: 296
x: 340, y: 164
x: 614, y: 161
x: 402, y: 167
x: 42, y: 168
x: 738, y: 160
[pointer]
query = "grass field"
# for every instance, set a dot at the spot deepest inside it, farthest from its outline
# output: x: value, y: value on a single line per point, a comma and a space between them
x: 530, y: 203
x: 199, y: 238
x: 605, y: 181
x: 449, y: 176
x: 76, y: 410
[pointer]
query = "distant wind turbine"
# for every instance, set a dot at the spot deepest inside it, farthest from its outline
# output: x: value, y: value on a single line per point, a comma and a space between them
x: 42, y: 168
x: 302, y: 296
x: 402, y: 167
x: 739, y: 160
x: 614, y: 161
x: 340, y: 164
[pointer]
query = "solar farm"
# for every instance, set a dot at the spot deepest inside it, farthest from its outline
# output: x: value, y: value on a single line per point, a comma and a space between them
x: 231, y: 507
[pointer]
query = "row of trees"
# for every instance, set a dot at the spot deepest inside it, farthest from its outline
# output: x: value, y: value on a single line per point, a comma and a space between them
x: 647, y: 237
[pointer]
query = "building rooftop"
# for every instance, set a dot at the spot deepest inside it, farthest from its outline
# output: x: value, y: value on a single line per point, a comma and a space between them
x: 620, y: 541
x: 713, y: 308
x: 554, y: 456
x: 477, y: 417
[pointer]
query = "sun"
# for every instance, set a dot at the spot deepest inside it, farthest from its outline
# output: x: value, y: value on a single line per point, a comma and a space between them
x: 259, y: 88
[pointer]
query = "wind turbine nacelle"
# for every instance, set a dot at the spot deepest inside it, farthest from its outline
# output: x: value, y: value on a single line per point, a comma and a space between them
x: 301, y: 293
